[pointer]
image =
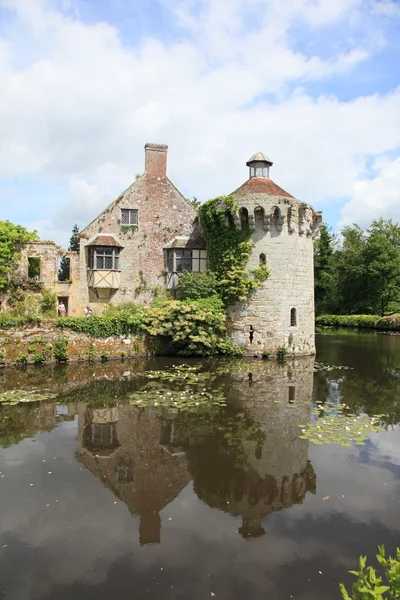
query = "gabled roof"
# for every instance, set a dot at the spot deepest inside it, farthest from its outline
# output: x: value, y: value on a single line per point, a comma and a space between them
x: 104, y: 239
x: 261, y: 185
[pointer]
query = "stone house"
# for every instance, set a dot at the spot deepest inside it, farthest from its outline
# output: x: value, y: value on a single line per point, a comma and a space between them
x: 151, y: 233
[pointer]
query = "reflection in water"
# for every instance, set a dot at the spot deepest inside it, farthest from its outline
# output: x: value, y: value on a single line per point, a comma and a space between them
x: 121, y: 446
x: 246, y: 459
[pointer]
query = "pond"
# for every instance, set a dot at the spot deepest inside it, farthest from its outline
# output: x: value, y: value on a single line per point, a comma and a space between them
x: 176, y: 479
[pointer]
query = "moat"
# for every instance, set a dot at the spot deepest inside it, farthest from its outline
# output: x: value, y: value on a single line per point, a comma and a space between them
x: 185, y: 478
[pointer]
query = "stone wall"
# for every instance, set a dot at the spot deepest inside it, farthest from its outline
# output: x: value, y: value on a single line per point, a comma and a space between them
x: 41, y: 340
x: 50, y: 254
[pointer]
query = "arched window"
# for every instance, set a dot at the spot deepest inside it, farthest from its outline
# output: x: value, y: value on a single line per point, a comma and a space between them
x: 259, y: 217
x: 229, y: 220
x: 262, y: 260
x: 244, y: 218
x: 293, y: 317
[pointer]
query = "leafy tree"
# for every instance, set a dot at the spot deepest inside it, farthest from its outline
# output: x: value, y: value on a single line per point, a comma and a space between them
x: 196, y: 285
x: 12, y: 237
x: 64, y: 268
x: 325, y: 254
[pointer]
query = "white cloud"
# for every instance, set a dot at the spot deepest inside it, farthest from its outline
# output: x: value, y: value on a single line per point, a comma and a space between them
x: 81, y: 109
x: 377, y: 197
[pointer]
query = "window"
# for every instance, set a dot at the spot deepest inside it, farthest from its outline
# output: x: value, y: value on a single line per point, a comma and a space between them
x: 244, y: 218
x: 104, y: 258
x: 129, y: 216
x: 182, y: 259
x: 259, y: 169
x: 292, y: 393
x: 259, y: 217
x: 293, y: 317
x: 34, y: 267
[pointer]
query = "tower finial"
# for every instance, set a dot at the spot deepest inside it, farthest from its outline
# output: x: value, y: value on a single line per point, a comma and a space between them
x: 259, y: 165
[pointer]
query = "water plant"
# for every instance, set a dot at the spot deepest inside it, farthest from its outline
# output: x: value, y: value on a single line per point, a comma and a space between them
x: 335, y: 424
x: 13, y: 397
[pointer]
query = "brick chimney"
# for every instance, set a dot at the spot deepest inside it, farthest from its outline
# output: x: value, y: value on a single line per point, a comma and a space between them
x: 156, y: 160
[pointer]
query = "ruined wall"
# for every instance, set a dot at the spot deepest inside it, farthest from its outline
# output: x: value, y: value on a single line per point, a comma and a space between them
x: 50, y: 254
x: 283, y: 231
x: 163, y: 214
x: 33, y: 341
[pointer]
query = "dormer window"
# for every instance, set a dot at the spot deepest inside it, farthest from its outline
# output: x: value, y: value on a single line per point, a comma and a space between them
x: 129, y: 216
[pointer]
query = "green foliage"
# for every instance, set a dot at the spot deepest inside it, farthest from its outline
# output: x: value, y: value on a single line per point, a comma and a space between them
x: 60, y: 350
x: 9, y: 321
x: 104, y: 356
x: 368, y: 321
x: 363, y: 274
x: 194, y: 202
x: 102, y: 326
x: 191, y: 328
x: 48, y: 303
x: 74, y: 240
x: 92, y: 353
x: 265, y: 355
x: 22, y: 359
x: 228, y: 250
x: 125, y: 309
x: 281, y: 352
x: 12, y: 237
x: 196, y: 285
x: 370, y: 585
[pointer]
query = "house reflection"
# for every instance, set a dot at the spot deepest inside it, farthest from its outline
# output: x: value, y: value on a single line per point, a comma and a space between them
x: 121, y: 446
x: 246, y: 460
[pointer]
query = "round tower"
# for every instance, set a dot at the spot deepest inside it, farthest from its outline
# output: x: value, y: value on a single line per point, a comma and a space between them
x: 281, y: 312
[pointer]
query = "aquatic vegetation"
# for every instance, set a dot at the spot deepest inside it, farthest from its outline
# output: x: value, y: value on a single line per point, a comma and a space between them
x: 182, y: 400
x: 14, y: 397
x: 336, y: 425
x: 325, y: 367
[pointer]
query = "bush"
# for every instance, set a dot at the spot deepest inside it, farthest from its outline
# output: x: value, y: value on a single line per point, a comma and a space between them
x: 125, y: 309
x: 196, y: 285
x: 369, y: 585
x: 102, y: 326
x: 281, y: 352
x: 192, y: 328
x: 48, y: 303
x: 9, y: 321
x: 368, y: 321
x: 60, y: 351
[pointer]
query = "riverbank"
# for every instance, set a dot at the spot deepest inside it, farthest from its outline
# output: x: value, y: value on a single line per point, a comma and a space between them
x: 389, y: 323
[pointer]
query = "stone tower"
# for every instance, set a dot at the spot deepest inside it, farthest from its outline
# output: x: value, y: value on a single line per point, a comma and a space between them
x: 281, y: 312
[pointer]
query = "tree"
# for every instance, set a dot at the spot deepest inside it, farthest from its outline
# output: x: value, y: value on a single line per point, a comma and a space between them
x: 64, y: 268
x: 382, y: 265
x: 12, y: 237
x: 325, y: 255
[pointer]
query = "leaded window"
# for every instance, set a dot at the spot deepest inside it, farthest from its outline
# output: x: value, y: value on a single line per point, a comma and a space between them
x: 129, y: 216
x: 104, y: 258
x: 183, y: 259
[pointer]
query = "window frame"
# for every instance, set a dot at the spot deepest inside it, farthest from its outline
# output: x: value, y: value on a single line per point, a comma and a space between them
x: 197, y: 257
x: 293, y: 317
x: 133, y: 216
x: 96, y: 253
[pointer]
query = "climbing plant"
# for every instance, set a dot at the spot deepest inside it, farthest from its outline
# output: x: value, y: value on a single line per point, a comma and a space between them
x: 228, y: 250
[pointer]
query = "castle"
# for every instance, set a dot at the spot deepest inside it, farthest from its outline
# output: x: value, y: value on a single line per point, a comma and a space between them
x: 151, y: 233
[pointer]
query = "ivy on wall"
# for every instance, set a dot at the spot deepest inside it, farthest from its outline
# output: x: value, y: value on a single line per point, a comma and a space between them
x: 228, y: 250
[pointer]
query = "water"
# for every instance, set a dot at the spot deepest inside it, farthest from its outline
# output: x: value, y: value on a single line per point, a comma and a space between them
x: 100, y: 499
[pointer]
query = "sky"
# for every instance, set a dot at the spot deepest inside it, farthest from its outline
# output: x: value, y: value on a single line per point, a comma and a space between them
x: 84, y: 84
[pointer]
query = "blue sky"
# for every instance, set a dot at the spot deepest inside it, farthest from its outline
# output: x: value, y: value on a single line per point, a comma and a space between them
x: 85, y: 83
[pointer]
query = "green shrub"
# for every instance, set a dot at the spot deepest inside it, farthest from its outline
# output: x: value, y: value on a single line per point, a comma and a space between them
x: 371, y: 586
x: 265, y: 355
x: 60, y: 351
x: 281, y: 352
x: 22, y: 359
x: 125, y: 309
x: 8, y: 321
x: 196, y: 285
x: 92, y: 353
x: 368, y: 321
x: 104, y: 356
x: 392, y: 323
x: 48, y: 303
x: 102, y: 326
x: 192, y: 328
